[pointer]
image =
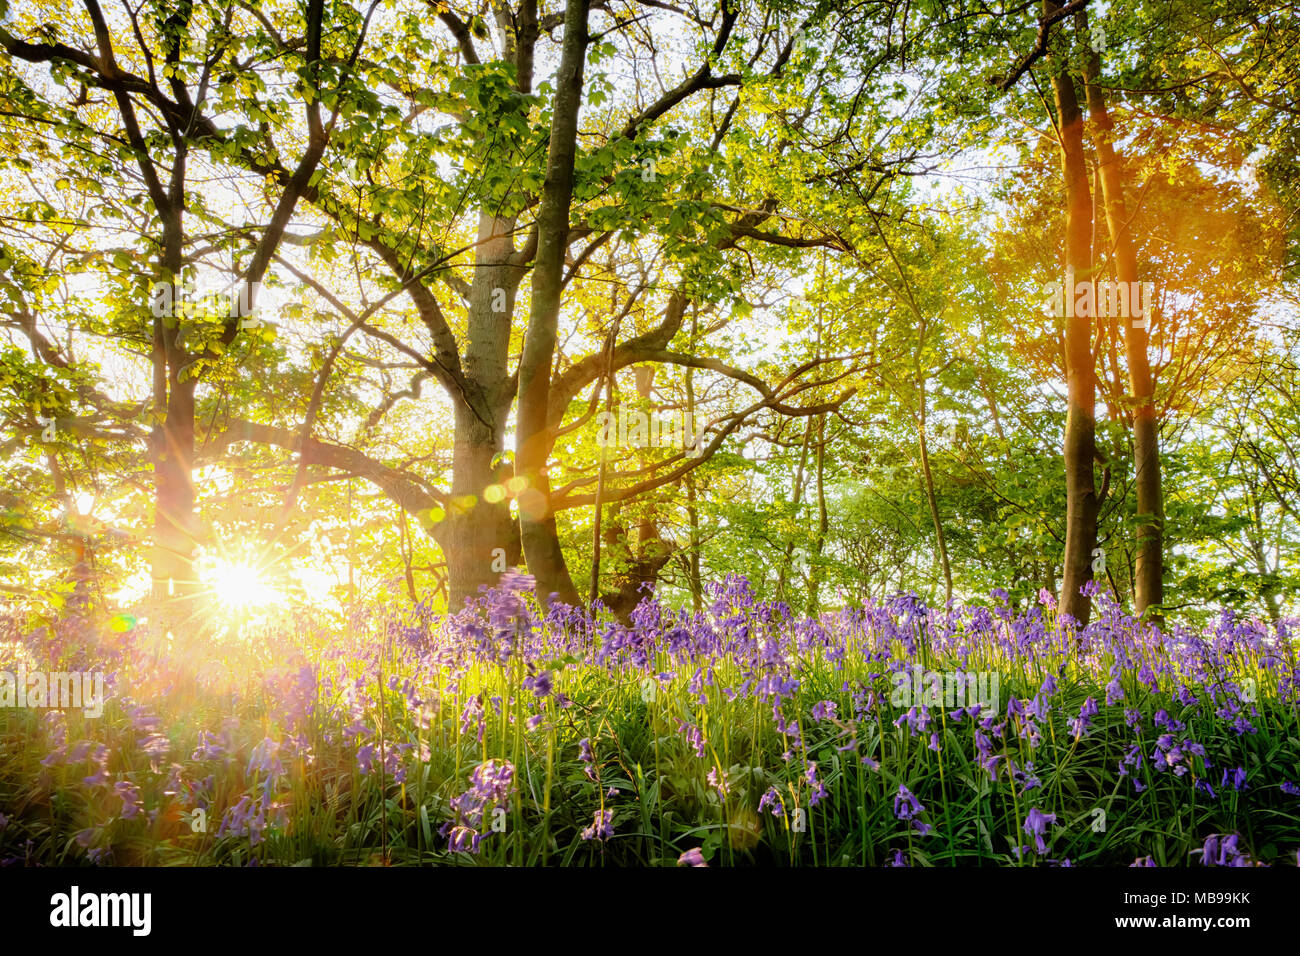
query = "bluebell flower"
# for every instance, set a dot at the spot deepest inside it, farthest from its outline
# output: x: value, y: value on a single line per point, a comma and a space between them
x: 1036, y: 824
x: 692, y: 857
x: 602, y: 826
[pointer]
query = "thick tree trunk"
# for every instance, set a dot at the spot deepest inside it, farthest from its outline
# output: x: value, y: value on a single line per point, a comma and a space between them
x: 477, y: 537
x: 533, y: 441
x: 172, y: 438
x: 174, y: 526
x: 479, y: 540
x: 1080, y: 426
x: 1149, y: 564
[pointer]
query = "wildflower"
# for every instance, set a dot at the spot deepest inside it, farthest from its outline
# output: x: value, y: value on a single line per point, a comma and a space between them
x: 1025, y: 777
x: 1237, y: 779
x: 771, y: 799
x: 1220, y: 850
x: 265, y: 759
x: 1036, y: 824
x: 824, y: 710
x: 694, y: 736
x: 463, y: 839
x: 1162, y: 719
x: 692, y: 857
x: 718, y: 782
x: 1143, y: 861
x: 1079, y: 726
x: 80, y: 752
x: 1242, y: 726
x: 209, y: 748
x: 916, y: 718
x: 514, y: 580
x: 96, y: 779
x: 154, y: 746
x: 587, y: 757
x: 472, y: 716
x: 819, y: 792
x: 602, y: 826
x: 1114, y: 692
x: 130, y: 795
x: 366, y: 759
x: 906, y: 806
x: 1148, y: 677
x: 539, y: 685
x: 490, y: 786
x: 898, y: 859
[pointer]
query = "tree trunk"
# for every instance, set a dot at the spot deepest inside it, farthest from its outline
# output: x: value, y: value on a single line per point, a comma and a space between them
x: 933, y: 501
x: 1149, y: 563
x: 796, y: 499
x: 693, y: 576
x: 172, y: 438
x: 823, y: 522
x: 1080, y: 426
x: 477, y: 536
x: 533, y: 441
x: 174, y: 526
x: 479, y: 540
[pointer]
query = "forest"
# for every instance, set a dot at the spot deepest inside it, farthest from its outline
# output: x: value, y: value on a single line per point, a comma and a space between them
x: 597, y: 432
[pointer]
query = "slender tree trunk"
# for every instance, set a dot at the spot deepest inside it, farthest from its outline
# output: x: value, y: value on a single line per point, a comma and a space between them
x: 823, y: 521
x: 1149, y: 563
x: 933, y: 501
x: 1080, y: 426
x: 1255, y: 536
x: 600, y: 475
x: 692, y: 513
x: 533, y: 441
x: 408, y: 557
x: 796, y: 499
x: 693, y: 576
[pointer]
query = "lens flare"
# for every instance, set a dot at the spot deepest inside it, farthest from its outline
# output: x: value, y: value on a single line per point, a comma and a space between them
x: 240, y: 586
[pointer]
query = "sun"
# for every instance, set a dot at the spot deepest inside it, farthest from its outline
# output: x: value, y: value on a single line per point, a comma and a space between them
x: 239, y: 585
